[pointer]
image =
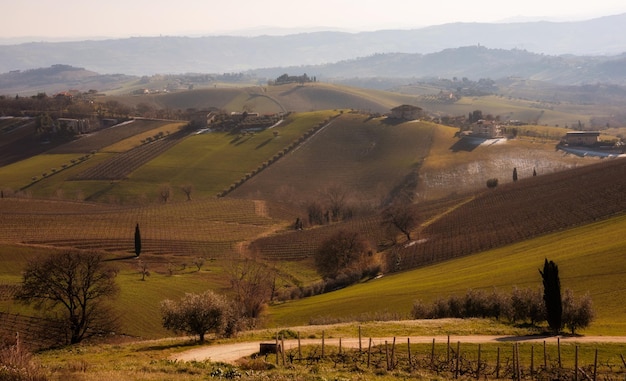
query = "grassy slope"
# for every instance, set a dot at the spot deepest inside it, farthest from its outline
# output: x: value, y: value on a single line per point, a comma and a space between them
x: 211, y: 162
x: 590, y: 258
x: 449, y: 169
x: 368, y: 158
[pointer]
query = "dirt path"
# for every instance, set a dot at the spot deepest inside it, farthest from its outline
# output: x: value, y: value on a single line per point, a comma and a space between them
x: 229, y: 353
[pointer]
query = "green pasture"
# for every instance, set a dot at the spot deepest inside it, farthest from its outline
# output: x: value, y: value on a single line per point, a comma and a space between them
x: 211, y: 162
x: 138, y: 302
x: 20, y: 174
x: 590, y: 259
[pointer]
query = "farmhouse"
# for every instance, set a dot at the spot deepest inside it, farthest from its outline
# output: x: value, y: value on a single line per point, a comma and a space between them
x: 582, y: 138
x: 78, y: 126
x: 486, y: 129
x: 406, y: 112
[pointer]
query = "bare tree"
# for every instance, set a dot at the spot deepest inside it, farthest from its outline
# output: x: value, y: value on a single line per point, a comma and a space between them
x: 143, y: 269
x: 199, y: 262
x: 316, y: 213
x: 400, y: 217
x: 187, y: 189
x: 337, y: 197
x: 76, y: 285
x: 165, y: 192
x: 252, y: 284
x: 343, y: 252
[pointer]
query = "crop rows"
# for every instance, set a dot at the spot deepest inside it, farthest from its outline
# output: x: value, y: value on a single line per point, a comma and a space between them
x: 108, y: 136
x: 32, y: 331
x: 519, y: 211
x: 121, y: 165
x: 456, y: 227
x: 209, y: 228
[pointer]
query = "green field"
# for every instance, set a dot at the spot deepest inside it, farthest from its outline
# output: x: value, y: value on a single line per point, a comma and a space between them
x: 590, y: 259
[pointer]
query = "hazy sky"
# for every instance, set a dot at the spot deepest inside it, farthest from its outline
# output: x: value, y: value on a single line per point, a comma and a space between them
x: 49, y: 19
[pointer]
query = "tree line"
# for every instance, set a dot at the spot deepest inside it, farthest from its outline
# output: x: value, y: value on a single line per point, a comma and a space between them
x: 526, y: 305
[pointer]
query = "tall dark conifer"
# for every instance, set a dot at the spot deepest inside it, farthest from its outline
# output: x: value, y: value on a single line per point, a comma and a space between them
x: 514, y: 174
x: 552, y: 295
x: 137, y: 241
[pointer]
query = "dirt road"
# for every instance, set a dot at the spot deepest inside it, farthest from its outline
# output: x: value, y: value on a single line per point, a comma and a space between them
x: 229, y: 353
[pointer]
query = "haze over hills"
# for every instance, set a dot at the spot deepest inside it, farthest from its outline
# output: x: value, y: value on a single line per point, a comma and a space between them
x: 218, y: 54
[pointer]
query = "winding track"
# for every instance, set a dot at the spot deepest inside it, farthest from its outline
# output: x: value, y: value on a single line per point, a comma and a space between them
x: 230, y: 353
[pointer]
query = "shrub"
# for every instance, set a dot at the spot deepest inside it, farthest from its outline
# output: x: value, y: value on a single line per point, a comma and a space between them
x: 492, y: 183
x: 577, y: 312
x: 198, y: 314
x: 17, y: 364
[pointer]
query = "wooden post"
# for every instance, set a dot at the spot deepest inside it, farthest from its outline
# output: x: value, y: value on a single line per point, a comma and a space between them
x: 478, y: 367
x: 408, y: 347
x: 432, y: 355
x: 532, y: 360
x: 282, y: 348
x: 448, y: 351
x: 369, y: 352
x: 393, y: 354
x: 595, y: 366
x: 458, y: 360
x: 387, y: 354
x: 360, y: 348
x: 519, y: 367
x: 576, y: 364
x: 514, y: 365
x: 299, y: 348
x: 340, y: 345
x: 545, y: 356
x: 558, y: 345
x: 498, y: 363
x: 276, y: 348
x: 322, y: 344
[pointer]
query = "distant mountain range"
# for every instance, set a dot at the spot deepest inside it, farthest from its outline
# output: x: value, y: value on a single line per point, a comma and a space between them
x: 473, y: 62
x: 227, y: 54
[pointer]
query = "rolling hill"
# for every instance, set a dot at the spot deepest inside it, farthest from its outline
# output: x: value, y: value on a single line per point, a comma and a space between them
x: 227, y: 54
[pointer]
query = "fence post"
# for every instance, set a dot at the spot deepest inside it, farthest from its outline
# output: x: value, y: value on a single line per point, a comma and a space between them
x: 387, y: 354
x: 595, y: 366
x: 299, y: 348
x: 282, y: 348
x: 360, y: 348
x: 322, y: 344
x: 576, y: 364
x: 532, y: 360
x: 369, y: 352
x: 498, y: 363
x: 513, y: 365
x: 448, y: 351
x: 276, y: 348
x: 478, y: 367
x: 393, y: 353
x: 558, y: 344
x: 458, y: 359
x: 408, y: 347
x: 519, y: 367
x: 432, y: 355
x: 340, y: 345
x: 545, y: 357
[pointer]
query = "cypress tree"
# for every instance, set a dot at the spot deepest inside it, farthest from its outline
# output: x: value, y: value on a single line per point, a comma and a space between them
x: 552, y: 295
x: 514, y: 174
x: 137, y: 241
